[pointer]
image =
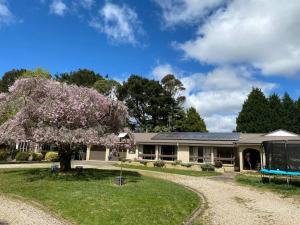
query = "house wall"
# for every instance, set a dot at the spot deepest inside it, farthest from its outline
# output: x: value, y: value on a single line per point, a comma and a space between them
x: 183, y: 153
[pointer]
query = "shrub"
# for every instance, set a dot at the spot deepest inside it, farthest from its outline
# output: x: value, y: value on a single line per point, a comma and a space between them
x: 218, y: 164
x: 187, y: 165
x: 207, y: 167
x: 36, y: 156
x: 144, y: 162
x: 22, y: 156
x: 122, y: 159
x: 176, y: 162
x: 3, y: 155
x: 159, y: 164
x: 51, y: 156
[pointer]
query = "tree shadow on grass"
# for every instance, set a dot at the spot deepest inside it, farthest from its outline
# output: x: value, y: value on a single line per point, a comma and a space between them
x: 32, y: 175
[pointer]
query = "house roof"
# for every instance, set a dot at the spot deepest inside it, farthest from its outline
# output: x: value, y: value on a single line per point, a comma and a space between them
x: 212, y: 139
x: 197, y: 136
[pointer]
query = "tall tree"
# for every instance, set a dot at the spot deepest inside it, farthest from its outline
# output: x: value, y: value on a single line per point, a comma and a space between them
x: 61, y: 114
x: 106, y: 87
x: 193, y: 122
x: 276, y: 112
x: 147, y: 102
x: 174, y: 88
x: 81, y: 77
x: 38, y: 72
x: 254, y: 116
x: 289, y: 115
x: 9, y: 78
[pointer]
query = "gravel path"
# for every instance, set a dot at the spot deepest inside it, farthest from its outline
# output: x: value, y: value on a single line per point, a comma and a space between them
x: 16, y: 212
x: 230, y: 204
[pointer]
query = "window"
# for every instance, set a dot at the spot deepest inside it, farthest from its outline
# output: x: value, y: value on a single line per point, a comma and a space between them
x: 148, y: 152
x: 196, y: 154
x: 168, y: 152
x: 225, y: 155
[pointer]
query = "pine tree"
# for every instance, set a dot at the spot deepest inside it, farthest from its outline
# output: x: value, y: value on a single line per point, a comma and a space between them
x: 289, y: 116
x: 193, y: 122
x: 276, y: 113
x: 254, y: 115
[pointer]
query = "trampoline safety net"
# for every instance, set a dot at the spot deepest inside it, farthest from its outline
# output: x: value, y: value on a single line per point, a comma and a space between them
x: 282, y: 155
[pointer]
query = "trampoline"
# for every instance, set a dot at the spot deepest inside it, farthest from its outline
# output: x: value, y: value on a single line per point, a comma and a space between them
x: 282, y: 159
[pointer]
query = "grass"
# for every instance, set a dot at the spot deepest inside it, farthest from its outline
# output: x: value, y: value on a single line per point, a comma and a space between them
x: 92, y: 198
x: 279, y: 185
x: 173, y: 171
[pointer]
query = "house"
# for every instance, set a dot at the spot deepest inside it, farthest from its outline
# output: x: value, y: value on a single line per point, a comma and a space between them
x: 237, y: 151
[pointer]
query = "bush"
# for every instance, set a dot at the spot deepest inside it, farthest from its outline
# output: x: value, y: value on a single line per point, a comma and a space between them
x: 176, y: 162
x: 52, y: 156
x: 207, y: 167
x: 36, y: 156
x: 187, y: 165
x: 3, y: 155
x: 218, y: 164
x: 159, y: 164
x: 144, y: 162
x: 22, y: 156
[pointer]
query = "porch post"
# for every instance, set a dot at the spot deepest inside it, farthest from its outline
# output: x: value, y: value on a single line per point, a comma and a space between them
x: 156, y: 152
x: 241, y: 159
x: 107, y: 154
x: 212, y: 155
x: 88, y: 152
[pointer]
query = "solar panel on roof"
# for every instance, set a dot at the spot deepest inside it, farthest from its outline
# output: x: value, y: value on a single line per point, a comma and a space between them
x: 199, y: 136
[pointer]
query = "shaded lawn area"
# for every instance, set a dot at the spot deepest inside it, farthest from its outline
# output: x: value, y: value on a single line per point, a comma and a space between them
x: 279, y: 185
x: 92, y: 198
x: 173, y: 171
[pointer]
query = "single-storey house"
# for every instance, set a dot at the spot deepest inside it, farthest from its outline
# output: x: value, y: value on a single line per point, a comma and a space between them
x: 237, y: 151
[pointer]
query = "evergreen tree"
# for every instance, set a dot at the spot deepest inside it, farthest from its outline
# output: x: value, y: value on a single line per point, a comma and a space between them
x: 174, y: 88
x: 289, y: 116
x: 276, y: 113
x: 81, y: 77
x: 147, y: 102
x: 254, y: 115
x: 9, y: 78
x: 193, y: 122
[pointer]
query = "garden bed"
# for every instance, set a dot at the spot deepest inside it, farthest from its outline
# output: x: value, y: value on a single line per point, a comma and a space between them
x: 93, y: 198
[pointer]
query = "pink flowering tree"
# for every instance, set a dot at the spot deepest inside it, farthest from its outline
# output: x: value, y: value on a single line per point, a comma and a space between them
x: 46, y: 111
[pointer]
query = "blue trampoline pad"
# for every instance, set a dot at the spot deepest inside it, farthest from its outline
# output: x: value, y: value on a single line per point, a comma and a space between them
x: 280, y: 172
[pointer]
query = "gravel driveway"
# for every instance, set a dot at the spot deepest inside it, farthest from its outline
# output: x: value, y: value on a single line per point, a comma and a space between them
x: 16, y: 212
x: 230, y: 204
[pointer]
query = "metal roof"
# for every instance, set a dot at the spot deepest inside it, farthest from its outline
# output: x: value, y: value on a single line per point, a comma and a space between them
x: 197, y: 136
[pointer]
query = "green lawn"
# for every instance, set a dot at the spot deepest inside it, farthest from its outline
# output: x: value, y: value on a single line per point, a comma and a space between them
x: 279, y: 185
x: 92, y: 198
x: 174, y: 171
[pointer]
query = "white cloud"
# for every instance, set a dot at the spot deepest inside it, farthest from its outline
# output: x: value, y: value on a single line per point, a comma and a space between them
x: 162, y: 70
x: 6, y: 16
x: 218, y: 95
x: 262, y: 34
x: 224, y: 123
x: 186, y: 11
x: 119, y: 23
x: 86, y: 4
x: 58, y: 7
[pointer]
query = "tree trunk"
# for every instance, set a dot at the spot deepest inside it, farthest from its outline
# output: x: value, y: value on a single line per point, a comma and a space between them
x: 65, y: 156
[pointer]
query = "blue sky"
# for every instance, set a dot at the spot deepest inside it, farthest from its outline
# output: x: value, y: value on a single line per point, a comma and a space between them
x: 218, y: 48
